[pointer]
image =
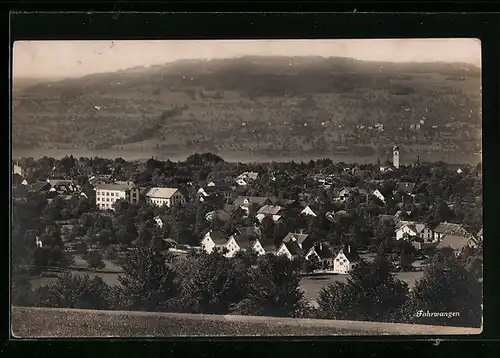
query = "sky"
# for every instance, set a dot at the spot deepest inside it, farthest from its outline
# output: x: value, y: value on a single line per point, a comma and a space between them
x: 42, y: 59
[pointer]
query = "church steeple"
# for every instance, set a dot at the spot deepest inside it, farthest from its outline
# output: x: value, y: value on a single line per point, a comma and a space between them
x: 395, y: 156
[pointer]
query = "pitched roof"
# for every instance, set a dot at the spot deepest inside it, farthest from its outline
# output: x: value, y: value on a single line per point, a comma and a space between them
x: 406, y: 187
x: 450, y: 228
x: 293, y: 247
x: 164, y: 193
x: 269, y: 210
x: 38, y: 186
x: 228, y: 208
x: 222, y: 215
x: 216, y: 189
x: 456, y: 242
x: 120, y: 187
x: 349, y: 255
x: 54, y: 182
x: 299, y: 238
x: 384, y: 217
x: 253, y: 231
x: 218, y: 237
x: 244, y: 241
x: 414, y: 226
x: 249, y: 175
x: 240, y: 200
x: 323, y: 251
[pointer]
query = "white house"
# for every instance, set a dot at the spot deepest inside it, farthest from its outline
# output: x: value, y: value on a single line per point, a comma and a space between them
x: 308, y: 211
x: 410, y: 229
x: 213, y: 239
x: 343, y: 194
x: 164, y: 196
x: 343, y: 263
x: 379, y: 195
x: 289, y: 249
x: 16, y: 169
x: 238, y: 243
x: 38, y: 242
x: 244, y: 202
x: 108, y: 194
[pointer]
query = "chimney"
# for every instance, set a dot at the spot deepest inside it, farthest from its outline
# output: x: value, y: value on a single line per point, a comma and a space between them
x: 348, y: 249
x: 301, y: 231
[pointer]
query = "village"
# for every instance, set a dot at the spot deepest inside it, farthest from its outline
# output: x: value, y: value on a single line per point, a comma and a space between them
x: 236, y: 219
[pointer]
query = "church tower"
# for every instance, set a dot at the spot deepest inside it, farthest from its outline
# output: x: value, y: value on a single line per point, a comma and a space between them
x: 395, y: 157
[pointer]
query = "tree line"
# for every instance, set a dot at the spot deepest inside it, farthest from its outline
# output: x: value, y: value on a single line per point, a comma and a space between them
x: 269, y: 285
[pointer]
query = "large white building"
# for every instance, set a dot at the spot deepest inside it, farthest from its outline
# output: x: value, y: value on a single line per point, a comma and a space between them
x: 108, y: 194
x: 165, y: 196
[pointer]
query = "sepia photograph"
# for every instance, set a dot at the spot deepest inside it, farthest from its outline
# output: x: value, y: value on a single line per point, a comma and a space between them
x: 210, y: 188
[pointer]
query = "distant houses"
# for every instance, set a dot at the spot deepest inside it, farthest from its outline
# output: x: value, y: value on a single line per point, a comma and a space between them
x: 409, y: 230
x: 242, y: 240
x: 213, y: 191
x: 246, y: 178
x: 446, y: 228
x: 457, y: 242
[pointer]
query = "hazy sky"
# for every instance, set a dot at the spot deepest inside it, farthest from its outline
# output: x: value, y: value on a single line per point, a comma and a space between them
x: 78, y: 58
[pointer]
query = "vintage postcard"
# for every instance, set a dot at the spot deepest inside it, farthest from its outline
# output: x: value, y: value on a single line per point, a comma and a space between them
x: 246, y: 188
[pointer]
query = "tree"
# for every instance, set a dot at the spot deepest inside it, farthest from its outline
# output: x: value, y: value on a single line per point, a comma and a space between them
x: 94, y: 260
x: 406, y: 255
x: 447, y: 286
x: 148, y: 282
x: 209, y: 283
x: 312, y: 264
x: 272, y: 289
x: 74, y: 291
x: 371, y: 293
x: 127, y: 233
x: 267, y: 230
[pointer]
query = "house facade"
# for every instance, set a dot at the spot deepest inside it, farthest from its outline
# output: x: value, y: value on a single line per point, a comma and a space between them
x: 237, y: 243
x: 164, y: 196
x: 289, y: 249
x: 213, y: 240
x: 342, y: 264
x: 108, y: 194
x: 409, y: 229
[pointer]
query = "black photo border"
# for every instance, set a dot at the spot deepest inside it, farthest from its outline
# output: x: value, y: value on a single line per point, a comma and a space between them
x: 91, y: 23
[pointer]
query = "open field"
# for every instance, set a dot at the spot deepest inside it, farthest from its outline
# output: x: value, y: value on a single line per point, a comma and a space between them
x: 310, y: 285
x: 91, y: 323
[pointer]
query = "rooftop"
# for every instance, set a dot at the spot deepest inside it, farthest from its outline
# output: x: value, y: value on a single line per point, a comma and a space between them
x: 120, y: 187
x: 164, y: 193
x: 93, y: 323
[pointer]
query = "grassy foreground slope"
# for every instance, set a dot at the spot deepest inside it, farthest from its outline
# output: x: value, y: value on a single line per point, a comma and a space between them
x: 50, y: 322
x: 262, y: 104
